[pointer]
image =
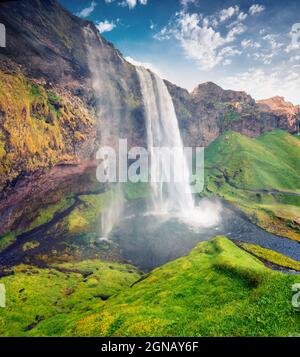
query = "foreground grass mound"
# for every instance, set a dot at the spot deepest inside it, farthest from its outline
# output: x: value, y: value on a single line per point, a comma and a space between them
x: 261, y: 176
x: 217, y: 290
x: 34, y: 295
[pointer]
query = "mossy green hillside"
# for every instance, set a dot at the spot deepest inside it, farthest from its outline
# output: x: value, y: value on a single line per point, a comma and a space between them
x: 217, y: 290
x: 252, y: 174
x: 271, y: 256
x: 86, y: 216
x: 256, y: 164
x: 34, y: 295
x: 6, y: 240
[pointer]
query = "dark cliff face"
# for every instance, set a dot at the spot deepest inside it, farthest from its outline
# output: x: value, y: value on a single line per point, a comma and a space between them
x: 50, y: 43
x: 46, y: 40
x: 210, y: 110
x: 58, y: 58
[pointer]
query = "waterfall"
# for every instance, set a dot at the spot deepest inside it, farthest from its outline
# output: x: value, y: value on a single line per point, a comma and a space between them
x: 112, y: 214
x: 163, y: 132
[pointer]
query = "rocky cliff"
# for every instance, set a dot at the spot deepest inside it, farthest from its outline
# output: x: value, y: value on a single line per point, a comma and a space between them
x: 287, y: 114
x: 63, y: 90
x: 62, y: 50
x: 210, y: 110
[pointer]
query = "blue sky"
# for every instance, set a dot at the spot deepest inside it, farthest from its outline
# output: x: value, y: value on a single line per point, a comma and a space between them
x: 242, y: 45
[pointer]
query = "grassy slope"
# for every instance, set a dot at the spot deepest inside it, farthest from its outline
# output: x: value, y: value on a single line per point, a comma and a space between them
x: 217, y: 290
x: 34, y: 295
x: 271, y: 256
x: 238, y: 168
x: 260, y: 163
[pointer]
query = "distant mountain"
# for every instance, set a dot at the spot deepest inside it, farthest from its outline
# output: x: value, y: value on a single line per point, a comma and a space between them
x: 288, y: 114
x: 210, y: 110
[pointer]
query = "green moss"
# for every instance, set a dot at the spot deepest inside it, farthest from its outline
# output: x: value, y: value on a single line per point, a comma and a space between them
x: 47, y: 214
x: 37, y: 295
x: 231, y: 115
x: 217, y: 290
x: 271, y: 256
x: 35, y: 90
x: 259, y: 163
x: 85, y: 217
x: 6, y: 240
x: 41, y: 129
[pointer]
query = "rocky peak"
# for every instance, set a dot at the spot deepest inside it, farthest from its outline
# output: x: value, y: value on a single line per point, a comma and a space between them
x: 211, y: 92
x: 278, y: 106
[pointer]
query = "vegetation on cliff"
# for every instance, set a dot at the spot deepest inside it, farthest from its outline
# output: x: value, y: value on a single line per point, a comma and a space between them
x: 38, y: 128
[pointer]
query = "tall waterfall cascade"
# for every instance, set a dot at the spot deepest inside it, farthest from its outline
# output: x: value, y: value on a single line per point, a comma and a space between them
x: 163, y: 132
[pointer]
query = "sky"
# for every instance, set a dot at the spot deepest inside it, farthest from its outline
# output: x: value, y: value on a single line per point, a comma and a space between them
x: 246, y: 45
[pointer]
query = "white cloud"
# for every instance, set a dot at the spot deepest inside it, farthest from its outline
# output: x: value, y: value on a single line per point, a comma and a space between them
x: 242, y: 16
x: 256, y: 9
x: 262, y: 31
x: 272, y: 39
x: 88, y: 10
x: 268, y: 50
x: 152, y: 25
x: 226, y: 14
x: 105, y: 26
x: 186, y: 3
x: 132, y: 3
x: 295, y: 58
x: 263, y: 84
x: 144, y: 64
x: 250, y: 44
x: 227, y: 62
x: 200, y: 41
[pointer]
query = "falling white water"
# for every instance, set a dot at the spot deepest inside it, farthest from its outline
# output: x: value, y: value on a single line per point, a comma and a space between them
x: 113, y: 212
x: 163, y: 132
x: 172, y: 198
